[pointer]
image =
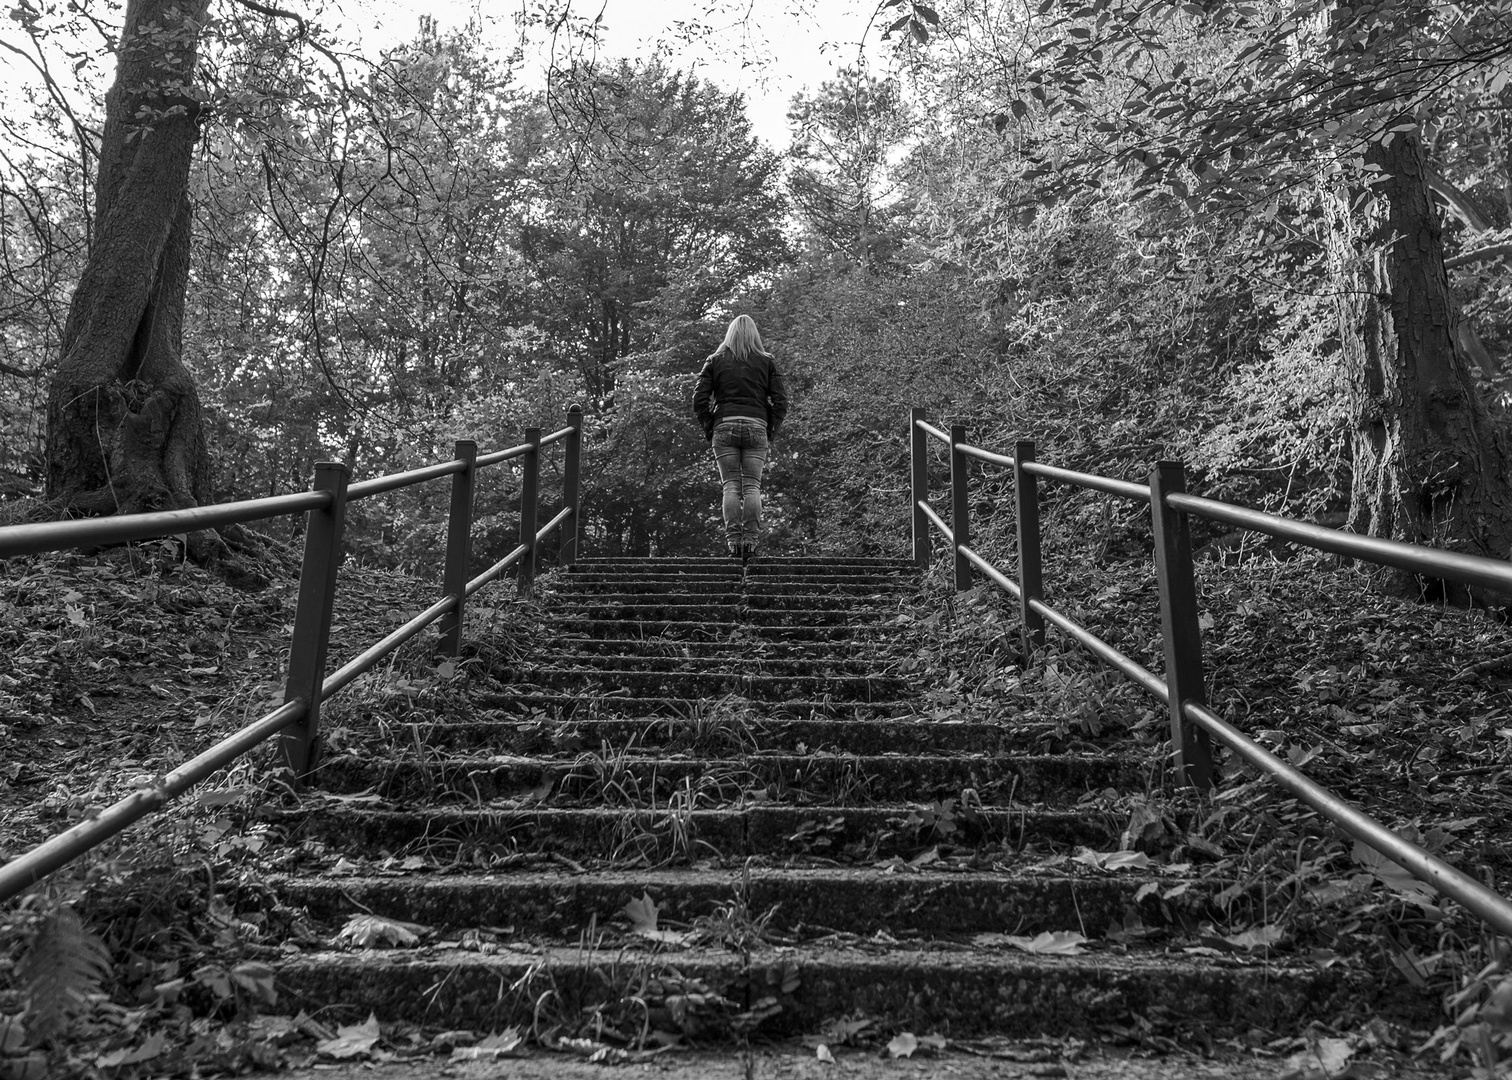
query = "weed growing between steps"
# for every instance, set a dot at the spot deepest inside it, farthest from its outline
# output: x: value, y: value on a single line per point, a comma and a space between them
x: 1400, y: 707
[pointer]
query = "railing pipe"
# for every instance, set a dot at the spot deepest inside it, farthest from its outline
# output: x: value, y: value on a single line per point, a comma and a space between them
x: 1179, y: 628
x: 35, y: 538
x: 497, y: 569
x: 1003, y: 582
x: 530, y: 482
x: 987, y: 455
x: 1124, y: 489
x: 1027, y: 527
x: 1432, y: 562
x: 960, y: 507
x: 369, y: 657
x: 934, y: 432
x: 458, y: 544
x: 557, y: 436
x: 550, y: 527
x: 918, y: 485
x: 504, y: 455
x: 1105, y: 652
x: 1494, y: 909
x: 572, y: 498
x: 938, y: 522
x: 380, y: 484
x: 24, y: 871
x: 312, y: 616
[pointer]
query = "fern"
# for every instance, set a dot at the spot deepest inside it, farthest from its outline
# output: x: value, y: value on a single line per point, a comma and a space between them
x: 63, y: 967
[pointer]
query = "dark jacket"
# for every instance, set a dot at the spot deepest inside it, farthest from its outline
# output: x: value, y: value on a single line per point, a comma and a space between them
x: 728, y: 388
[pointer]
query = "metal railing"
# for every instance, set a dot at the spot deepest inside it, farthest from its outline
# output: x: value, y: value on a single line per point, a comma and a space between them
x: 1194, y: 726
x: 297, y: 720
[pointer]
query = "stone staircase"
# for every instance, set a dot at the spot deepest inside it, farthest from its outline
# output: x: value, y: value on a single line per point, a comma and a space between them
x: 708, y: 804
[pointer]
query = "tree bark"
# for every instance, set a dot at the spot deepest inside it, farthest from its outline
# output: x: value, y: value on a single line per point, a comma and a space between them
x: 1430, y: 465
x: 125, y: 429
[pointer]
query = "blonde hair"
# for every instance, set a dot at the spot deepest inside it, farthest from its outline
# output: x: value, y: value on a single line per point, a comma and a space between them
x: 742, y: 339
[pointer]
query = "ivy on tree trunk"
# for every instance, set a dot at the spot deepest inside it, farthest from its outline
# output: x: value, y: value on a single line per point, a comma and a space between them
x: 1429, y: 463
x: 125, y: 429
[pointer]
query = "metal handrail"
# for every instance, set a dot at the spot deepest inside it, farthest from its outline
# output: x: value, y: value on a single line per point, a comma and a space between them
x: 312, y: 619
x: 1450, y: 565
x: 43, y: 536
x: 378, y: 485
x: 1183, y: 691
x: 1124, y: 489
x: 934, y: 432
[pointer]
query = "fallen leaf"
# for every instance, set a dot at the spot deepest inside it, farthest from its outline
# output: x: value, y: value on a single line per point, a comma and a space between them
x: 1113, y: 860
x: 374, y: 931
x: 151, y: 1047
x: 643, y: 914
x: 504, y: 1044
x: 1327, y: 1059
x: 1049, y: 943
x: 352, y: 1040
x: 903, y: 1045
x: 1256, y: 937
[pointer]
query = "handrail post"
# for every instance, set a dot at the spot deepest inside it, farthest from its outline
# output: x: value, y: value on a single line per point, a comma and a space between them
x: 1031, y: 571
x: 458, y: 543
x: 530, y: 479
x: 918, y: 487
x: 572, y: 455
x: 312, y: 617
x: 960, y: 506
x: 1179, y: 627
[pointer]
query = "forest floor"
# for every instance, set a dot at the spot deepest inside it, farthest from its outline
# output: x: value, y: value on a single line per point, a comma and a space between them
x: 118, y: 666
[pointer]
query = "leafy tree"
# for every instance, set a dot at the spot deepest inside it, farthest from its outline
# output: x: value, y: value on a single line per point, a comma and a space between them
x: 1242, y: 107
x: 843, y: 137
x: 657, y: 206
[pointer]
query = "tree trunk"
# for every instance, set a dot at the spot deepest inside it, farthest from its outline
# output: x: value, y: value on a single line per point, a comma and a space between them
x: 1430, y: 465
x: 125, y: 430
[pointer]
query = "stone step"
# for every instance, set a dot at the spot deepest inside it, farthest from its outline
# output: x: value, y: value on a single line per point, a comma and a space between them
x: 725, y: 606
x: 656, y: 617
x: 730, y: 662
x: 596, y: 582
x: 758, y: 687
x: 557, y: 904
x: 683, y: 835
x: 679, y: 729
x: 589, y: 650
x: 760, y: 627
x: 762, y: 564
x: 613, y: 775
x: 559, y: 707
x: 959, y: 992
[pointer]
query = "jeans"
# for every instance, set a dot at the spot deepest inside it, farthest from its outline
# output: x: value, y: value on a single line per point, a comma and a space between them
x: 740, y: 451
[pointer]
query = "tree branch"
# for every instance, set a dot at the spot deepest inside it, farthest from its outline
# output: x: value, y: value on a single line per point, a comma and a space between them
x: 1459, y: 202
x: 1466, y: 258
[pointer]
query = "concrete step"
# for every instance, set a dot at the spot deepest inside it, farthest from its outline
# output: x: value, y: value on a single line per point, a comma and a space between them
x: 727, y: 662
x: 726, y: 606
x: 758, y: 687
x: 759, y: 627
x: 590, y: 650
x: 959, y: 992
x: 538, y: 706
x: 657, y: 617
x: 680, y: 727
x: 762, y: 564
x: 614, y: 775
x: 699, y: 583
x: 806, y: 902
x: 683, y: 835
